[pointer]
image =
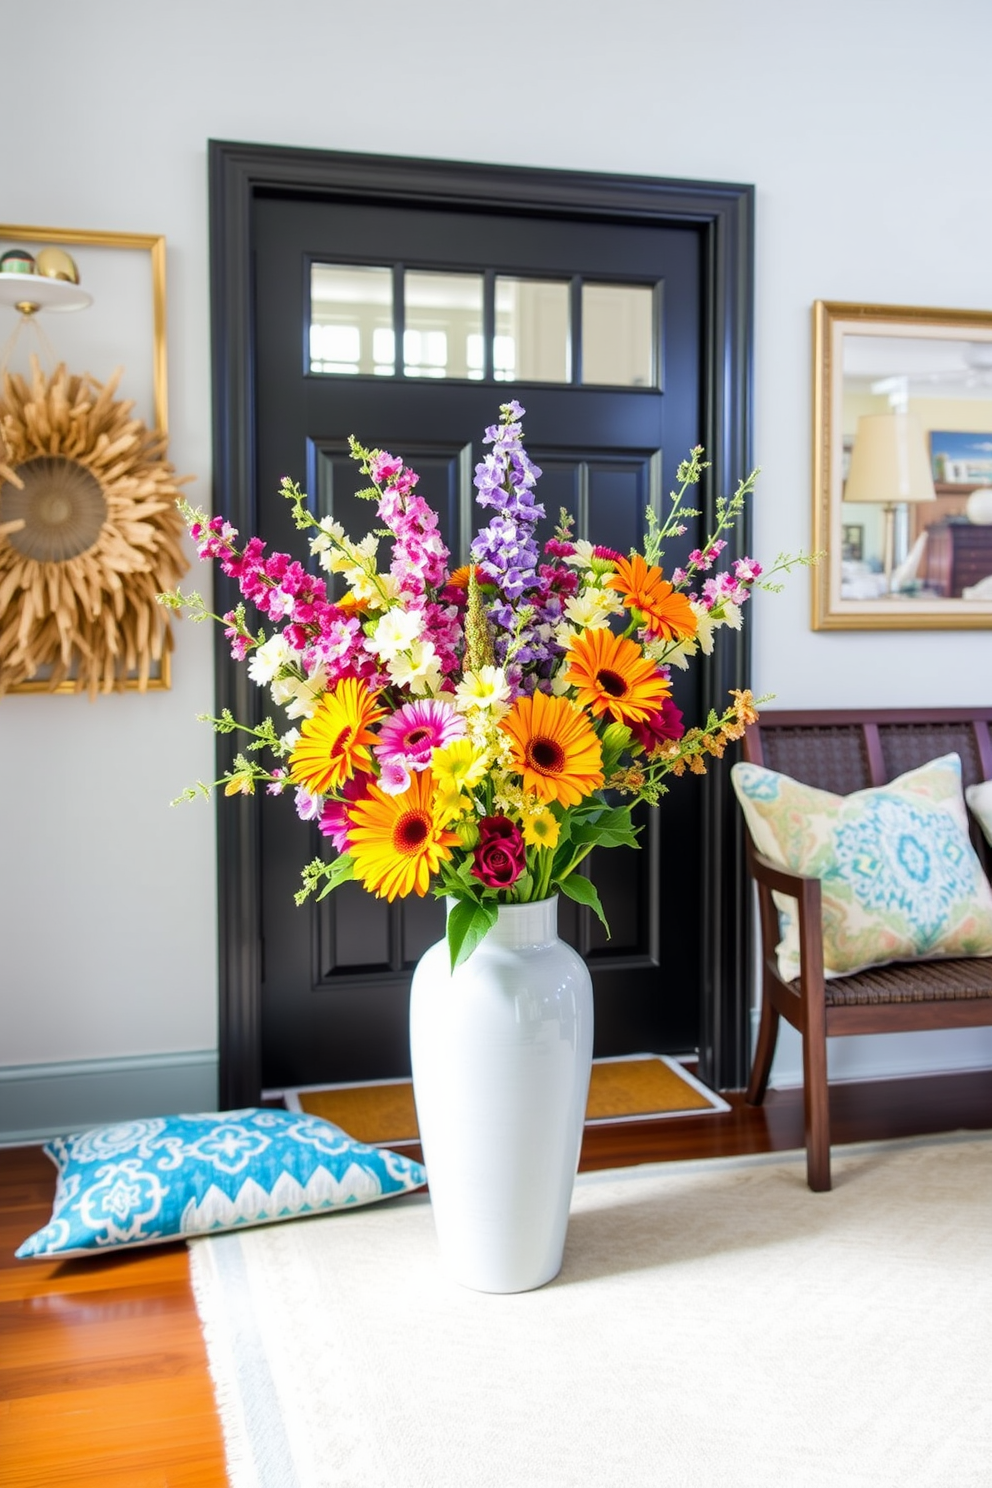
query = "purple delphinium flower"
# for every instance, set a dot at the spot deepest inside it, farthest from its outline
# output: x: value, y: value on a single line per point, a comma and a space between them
x: 526, y: 606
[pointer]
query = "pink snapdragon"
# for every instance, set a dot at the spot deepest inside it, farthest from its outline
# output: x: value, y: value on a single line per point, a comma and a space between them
x: 724, y: 589
x: 241, y: 642
x: 420, y: 557
x: 747, y: 570
x: 705, y: 558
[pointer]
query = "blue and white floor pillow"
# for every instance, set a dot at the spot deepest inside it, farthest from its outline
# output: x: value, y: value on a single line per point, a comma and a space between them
x: 171, y: 1176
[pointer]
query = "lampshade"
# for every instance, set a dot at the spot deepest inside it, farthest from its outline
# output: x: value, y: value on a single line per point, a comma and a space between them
x: 889, y: 461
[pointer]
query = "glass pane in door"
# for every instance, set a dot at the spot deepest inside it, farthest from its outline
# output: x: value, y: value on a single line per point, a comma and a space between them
x: 619, y: 335
x: 533, y: 336
x: 443, y: 324
x: 351, y: 320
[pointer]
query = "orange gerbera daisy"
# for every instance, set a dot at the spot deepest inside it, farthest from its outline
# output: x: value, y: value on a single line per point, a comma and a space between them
x: 554, y: 748
x: 395, y: 842
x: 459, y: 579
x: 611, y: 674
x: 666, y: 612
x: 334, y: 742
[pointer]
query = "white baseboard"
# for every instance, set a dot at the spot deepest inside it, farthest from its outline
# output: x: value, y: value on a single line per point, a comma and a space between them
x: 882, y: 1056
x: 39, y: 1101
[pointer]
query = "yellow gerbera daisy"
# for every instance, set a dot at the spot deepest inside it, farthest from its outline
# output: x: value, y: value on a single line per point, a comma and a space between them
x: 541, y: 830
x: 333, y: 744
x: 666, y: 612
x: 611, y: 674
x: 554, y: 748
x: 395, y: 842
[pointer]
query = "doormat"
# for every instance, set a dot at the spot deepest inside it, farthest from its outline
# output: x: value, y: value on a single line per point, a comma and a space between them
x: 637, y: 1087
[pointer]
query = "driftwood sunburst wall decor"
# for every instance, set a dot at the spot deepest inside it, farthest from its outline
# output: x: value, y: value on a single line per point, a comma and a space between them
x: 89, y: 530
x: 89, y: 535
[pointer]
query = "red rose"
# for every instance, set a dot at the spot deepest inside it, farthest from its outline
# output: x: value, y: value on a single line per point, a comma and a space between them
x: 665, y: 724
x: 500, y: 856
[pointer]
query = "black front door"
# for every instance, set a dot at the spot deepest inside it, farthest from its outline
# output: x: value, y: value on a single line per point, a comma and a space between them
x: 336, y: 976
x: 321, y: 993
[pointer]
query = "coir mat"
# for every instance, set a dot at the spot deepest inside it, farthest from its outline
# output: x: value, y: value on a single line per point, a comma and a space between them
x: 637, y: 1087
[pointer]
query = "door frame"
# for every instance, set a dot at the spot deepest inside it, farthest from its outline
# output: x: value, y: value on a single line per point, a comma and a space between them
x: 724, y: 215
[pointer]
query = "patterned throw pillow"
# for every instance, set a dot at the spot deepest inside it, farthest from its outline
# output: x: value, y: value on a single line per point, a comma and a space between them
x: 979, y: 798
x: 900, y: 878
x: 147, y: 1181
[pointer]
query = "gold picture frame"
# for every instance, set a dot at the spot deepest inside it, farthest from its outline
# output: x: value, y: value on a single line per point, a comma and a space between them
x: 900, y: 375
x: 154, y: 245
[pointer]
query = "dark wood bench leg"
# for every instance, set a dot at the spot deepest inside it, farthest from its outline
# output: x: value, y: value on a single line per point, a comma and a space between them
x: 816, y: 1100
x: 764, y: 1052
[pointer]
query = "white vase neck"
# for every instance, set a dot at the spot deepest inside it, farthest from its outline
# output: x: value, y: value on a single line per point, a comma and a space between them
x: 521, y: 925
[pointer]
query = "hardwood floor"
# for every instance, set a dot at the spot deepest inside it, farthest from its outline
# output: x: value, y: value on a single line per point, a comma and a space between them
x: 103, y: 1372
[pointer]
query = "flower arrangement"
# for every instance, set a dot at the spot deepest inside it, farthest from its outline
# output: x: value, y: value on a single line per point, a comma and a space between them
x: 474, y: 733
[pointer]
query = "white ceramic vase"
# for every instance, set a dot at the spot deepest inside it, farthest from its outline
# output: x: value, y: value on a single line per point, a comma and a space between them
x: 502, y: 1051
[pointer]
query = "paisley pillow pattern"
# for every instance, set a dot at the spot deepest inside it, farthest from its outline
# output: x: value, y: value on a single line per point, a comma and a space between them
x: 979, y: 798
x: 900, y: 878
x: 143, y: 1182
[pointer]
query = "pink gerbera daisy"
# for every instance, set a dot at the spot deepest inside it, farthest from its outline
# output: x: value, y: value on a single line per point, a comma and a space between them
x: 414, y: 731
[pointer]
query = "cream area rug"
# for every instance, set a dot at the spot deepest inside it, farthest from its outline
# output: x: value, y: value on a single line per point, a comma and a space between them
x: 715, y: 1325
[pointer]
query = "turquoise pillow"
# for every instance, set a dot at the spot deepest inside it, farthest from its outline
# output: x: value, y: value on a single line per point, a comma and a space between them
x: 143, y: 1182
x: 900, y: 879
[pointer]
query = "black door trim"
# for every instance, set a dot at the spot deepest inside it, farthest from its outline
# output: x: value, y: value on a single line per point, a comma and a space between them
x: 724, y: 213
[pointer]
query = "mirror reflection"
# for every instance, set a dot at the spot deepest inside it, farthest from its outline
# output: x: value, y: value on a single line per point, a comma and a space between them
x: 904, y: 498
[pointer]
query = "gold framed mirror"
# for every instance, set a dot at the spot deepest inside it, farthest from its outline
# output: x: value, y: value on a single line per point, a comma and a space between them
x: 902, y: 468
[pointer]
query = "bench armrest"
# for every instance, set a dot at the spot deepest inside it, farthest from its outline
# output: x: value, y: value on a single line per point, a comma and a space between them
x: 771, y: 877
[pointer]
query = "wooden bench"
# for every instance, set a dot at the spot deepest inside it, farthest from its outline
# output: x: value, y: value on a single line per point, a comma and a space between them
x: 846, y: 751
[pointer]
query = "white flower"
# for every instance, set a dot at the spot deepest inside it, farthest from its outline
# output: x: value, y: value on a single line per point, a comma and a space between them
x: 300, y: 695
x: 582, y: 557
x: 395, y: 632
x: 326, y: 545
x: 670, y: 652
x: 266, y: 660
x: 288, y: 742
x: 382, y: 593
x: 591, y: 610
x: 486, y: 688
x: 705, y: 626
x: 284, y: 689
x: 417, y: 668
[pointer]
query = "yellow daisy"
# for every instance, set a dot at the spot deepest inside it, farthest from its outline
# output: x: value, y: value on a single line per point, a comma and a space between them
x: 395, y: 842
x: 554, y: 748
x: 333, y: 744
x: 458, y: 766
x: 541, y: 830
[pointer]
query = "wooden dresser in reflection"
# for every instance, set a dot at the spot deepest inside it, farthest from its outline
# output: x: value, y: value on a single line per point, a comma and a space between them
x: 957, y: 555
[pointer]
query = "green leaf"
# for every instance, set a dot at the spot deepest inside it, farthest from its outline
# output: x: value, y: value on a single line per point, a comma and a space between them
x: 583, y: 892
x: 338, y: 872
x: 468, y: 922
x: 591, y: 834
